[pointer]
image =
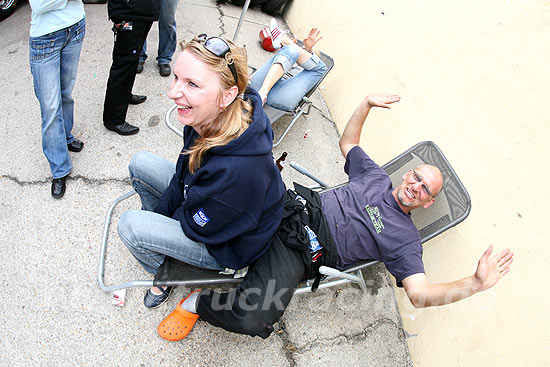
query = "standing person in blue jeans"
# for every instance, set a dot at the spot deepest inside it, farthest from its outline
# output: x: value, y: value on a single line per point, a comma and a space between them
x: 167, y: 38
x: 279, y: 82
x: 57, y: 31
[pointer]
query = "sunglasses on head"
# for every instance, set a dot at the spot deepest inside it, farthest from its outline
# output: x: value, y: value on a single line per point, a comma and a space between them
x: 424, y: 186
x: 217, y: 46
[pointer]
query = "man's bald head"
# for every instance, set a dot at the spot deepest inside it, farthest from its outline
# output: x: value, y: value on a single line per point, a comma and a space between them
x: 432, y: 177
x: 419, y: 188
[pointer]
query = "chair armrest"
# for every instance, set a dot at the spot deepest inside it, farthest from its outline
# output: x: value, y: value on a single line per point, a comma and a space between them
x: 305, y: 172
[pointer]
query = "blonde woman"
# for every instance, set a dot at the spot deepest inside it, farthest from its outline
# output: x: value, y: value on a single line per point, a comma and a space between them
x: 220, y: 204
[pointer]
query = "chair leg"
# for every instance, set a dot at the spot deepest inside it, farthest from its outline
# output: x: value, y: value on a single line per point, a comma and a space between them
x: 323, y: 285
x: 101, y: 268
x: 309, y: 104
x: 361, y: 282
x: 294, y: 119
x: 306, y: 173
x: 341, y: 279
x: 177, y: 131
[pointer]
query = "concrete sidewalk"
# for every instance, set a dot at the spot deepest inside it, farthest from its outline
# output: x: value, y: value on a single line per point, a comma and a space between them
x: 53, y: 310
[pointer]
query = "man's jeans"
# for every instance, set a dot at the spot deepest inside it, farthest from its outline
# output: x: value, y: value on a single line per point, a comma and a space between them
x: 288, y: 92
x: 151, y: 236
x: 167, y: 33
x: 54, y: 63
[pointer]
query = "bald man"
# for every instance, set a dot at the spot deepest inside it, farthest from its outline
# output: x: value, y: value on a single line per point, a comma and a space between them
x: 369, y: 219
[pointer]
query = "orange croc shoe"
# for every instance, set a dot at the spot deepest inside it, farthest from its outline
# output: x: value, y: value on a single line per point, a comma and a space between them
x: 179, y: 323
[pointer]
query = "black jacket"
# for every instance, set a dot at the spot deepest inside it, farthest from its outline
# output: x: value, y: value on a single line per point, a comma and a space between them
x: 292, y: 232
x: 128, y: 10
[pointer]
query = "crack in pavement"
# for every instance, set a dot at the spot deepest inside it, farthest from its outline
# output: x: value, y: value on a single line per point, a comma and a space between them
x: 89, y: 181
x: 220, y: 19
x: 24, y: 183
x: 222, y: 24
x: 344, y: 338
x: 256, y: 23
x: 222, y: 14
x: 322, y: 113
x: 289, y: 348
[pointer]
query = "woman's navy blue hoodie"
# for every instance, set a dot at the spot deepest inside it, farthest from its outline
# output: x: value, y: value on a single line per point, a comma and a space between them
x: 233, y: 203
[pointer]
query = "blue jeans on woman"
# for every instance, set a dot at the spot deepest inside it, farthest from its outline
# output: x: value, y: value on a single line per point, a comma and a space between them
x: 54, y: 63
x: 288, y: 91
x: 167, y: 33
x: 150, y: 236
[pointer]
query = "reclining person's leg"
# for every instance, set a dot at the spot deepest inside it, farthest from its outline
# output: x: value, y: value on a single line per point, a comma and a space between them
x: 272, y: 71
x: 261, y: 298
x: 259, y: 76
x: 286, y: 94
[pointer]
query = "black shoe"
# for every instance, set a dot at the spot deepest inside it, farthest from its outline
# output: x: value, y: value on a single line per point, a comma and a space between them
x: 75, y: 146
x: 58, y: 187
x: 164, y: 69
x: 153, y: 301
x: 123, y: 129
x: 139, y: 69
x: 136, y: 99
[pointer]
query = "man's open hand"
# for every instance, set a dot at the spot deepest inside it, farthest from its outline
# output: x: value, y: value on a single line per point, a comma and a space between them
x: 491, y: 270
x: 382, y: 100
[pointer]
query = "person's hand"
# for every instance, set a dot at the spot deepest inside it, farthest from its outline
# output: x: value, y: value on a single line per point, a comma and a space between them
x: 382, y: 100
x: 490, y: 271
x: 312, y: 38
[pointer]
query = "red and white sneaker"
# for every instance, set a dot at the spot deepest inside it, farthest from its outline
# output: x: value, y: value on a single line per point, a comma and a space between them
x: 276, y: 34
x: 265, y: 39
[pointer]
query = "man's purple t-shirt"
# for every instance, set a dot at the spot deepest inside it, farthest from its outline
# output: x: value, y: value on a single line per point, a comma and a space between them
x: 367, y: 223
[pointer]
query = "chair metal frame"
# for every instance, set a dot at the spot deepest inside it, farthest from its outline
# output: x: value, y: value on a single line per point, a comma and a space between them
x: 333, y: 277
x: 352, y: 274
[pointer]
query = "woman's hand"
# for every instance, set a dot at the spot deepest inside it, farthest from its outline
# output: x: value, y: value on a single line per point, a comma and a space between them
x: 312, y: 38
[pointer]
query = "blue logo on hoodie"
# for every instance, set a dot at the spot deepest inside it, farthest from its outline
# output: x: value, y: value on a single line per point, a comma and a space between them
x: 200, y: 218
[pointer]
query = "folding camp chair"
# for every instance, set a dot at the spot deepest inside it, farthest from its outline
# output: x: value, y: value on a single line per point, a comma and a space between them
x: 275, y: 114
x: 451, y: 207
x: 303, y: 107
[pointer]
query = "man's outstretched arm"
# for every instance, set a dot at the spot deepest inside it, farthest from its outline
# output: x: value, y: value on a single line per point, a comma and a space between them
x: 352, y: 131
x: 489, y: 271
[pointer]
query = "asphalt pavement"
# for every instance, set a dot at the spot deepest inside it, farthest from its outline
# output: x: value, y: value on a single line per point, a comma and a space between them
x: 54, y: 313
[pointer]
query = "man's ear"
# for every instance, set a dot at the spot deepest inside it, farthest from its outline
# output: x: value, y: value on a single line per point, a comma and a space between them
x: 429, y: 203
x: 405, y: 175
x: 229, y: 96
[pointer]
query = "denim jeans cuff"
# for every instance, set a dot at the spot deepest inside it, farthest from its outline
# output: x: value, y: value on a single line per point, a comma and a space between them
x: 163, y: 61
x: 285, y: 62
x: 312, y: 62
